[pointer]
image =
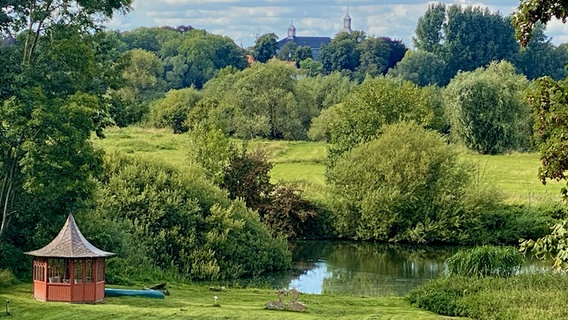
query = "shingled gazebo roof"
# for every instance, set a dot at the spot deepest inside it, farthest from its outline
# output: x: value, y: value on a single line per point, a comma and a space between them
x: 70, y: 243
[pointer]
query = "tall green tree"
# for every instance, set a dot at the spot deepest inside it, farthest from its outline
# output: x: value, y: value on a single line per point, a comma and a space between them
x: 541, y: 58
x: 429, y: 36
x: 265, y: 47
x: 143, y: 82
x: 487, y: 110
x: 173, y: 110
x: 56, y: 102
x: 421, y: 67
x: 264, y: 98
x: 459, y: 36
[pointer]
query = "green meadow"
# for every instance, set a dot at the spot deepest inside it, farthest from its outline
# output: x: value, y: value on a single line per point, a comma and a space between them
x: 303, y: 163
x: 197, y: 302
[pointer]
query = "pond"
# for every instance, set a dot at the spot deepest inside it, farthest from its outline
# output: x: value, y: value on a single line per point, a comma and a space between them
x: 362, y: 268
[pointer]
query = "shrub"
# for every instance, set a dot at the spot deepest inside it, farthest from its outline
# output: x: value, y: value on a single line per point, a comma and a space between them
x: 173, y: 110
x: 184, y: 224
x: 7, y: 278
x: 509, y: 223
x: 485, y: 261
x: 407, y: 185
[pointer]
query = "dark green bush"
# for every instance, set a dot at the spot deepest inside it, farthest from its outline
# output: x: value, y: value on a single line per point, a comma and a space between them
x: 485, y: 261
x: 508, y: 224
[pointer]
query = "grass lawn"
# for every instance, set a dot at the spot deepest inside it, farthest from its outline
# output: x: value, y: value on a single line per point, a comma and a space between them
x: 196, y: 302
x: 303, y: 162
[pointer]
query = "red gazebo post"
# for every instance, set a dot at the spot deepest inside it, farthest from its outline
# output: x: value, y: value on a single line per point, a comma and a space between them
x: 69, y: 268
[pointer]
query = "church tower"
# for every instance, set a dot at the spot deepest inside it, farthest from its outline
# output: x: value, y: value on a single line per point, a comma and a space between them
x: 291, y: 31
x: 347, y: 21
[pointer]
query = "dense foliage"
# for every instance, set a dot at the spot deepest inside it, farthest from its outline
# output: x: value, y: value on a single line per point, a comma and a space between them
x: 376, y: 103
x: 407, y: 185
x: 359, y: 56
x: 53, y: 98
x: 177, y: 220
x: 487, y: 109
x: 280, y: 206
x: 458, y: 36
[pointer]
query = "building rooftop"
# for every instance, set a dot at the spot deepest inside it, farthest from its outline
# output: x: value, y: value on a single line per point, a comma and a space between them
x: 70, y: 243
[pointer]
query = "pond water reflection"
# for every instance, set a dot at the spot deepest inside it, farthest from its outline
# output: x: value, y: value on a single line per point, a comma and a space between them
x: 362, y: 268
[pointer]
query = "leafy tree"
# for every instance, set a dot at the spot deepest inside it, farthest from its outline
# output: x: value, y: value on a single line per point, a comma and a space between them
x: 421, y: 67
x: 54, y: 100
x: 429, y: 36
x: 173, y: 110
x: 487, y: 111
x: 312, y: 67
x: 320, y: 92
x: 288, y: 214
x: 264, y: 97
x: 211, y: 148
x: 341, y: 53
x: 407, y: 185
x: 281, y: 207
x: 549, y: 102
x: 302, y: 53
x: 190, y: 56
x: 288, y: 51
x: 265, y: 47
x: 458, y: 35
x: 375, y: 56
x: 149, y: 39
x: 541, y: 58
x: 143, y: 78
x: 247, y: 177
x: 320, y: 128
x: 530, y: 12
x: 374, y: 104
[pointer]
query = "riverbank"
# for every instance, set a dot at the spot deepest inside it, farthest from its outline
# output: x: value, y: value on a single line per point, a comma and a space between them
x: 198, y: 302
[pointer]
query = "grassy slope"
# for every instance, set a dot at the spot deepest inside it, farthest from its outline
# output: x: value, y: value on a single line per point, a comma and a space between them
x: 194, y: 302
x: 303, y: 163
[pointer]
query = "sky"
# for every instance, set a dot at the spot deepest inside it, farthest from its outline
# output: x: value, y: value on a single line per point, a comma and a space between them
x: 244, y: 20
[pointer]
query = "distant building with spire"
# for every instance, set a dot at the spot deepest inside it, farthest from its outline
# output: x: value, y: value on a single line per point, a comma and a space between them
x: 347, y: 22
x: 315, y: 43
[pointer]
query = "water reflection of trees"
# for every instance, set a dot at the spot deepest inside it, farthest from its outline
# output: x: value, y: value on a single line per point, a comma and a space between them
x: 371, y: 268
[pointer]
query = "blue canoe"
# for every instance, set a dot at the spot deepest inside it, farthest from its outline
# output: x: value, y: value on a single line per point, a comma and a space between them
x: 148, y: 293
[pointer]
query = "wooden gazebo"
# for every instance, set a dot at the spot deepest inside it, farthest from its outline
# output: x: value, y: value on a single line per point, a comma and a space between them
x: 69, y: 268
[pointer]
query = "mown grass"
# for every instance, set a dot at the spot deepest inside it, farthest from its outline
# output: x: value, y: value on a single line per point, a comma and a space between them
x: 303, y: 163
x: 197, y: 302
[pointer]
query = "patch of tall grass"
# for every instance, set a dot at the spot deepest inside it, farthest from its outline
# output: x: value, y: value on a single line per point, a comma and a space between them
x: 485, y: 261
x: 540, y: 296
